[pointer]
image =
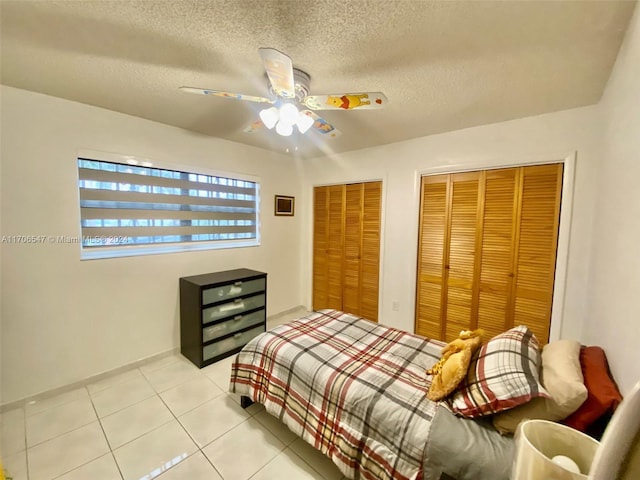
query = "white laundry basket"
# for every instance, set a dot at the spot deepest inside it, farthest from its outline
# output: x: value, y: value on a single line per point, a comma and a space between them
x: 538, y: 441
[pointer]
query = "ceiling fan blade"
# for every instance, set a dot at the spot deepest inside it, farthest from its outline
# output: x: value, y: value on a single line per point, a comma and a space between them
x: 346, y: 101
x: 220, y: 93
x: 320, y: 125
x: 254, y: 126
x: 280, y: 71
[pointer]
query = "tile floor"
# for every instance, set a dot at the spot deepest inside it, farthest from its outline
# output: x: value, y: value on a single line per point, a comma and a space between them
x: 167, y: 420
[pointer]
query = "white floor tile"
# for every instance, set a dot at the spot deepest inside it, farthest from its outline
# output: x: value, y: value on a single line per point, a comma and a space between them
x: 275, y: 426
x: 57, y: 420
x: 212, y: 419
x: 220, y: 372
x: 155, y: 452
x: 172, y: 375
x: 138, y: 436
x: 38, y: 406
x: 243, y: 451
x: 160, y: 363
x: 190, y: 394
x: 102, y: 468
x: 196, y: 467
x: 12, y: 432
x: 15, y: 465
x: 319, y: 461
x: 120, y: 396
x: 66, y: 452
x: 113, y: 380
x: 287, y: 465
x: 134, y: 421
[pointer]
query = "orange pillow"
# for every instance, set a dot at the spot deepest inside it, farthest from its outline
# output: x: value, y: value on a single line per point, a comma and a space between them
x: 603, y: 395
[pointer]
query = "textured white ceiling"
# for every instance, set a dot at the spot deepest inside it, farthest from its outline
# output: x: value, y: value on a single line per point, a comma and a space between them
x: 444, y: 65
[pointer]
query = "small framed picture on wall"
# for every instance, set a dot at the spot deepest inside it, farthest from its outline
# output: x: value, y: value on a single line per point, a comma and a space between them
x: 284, y: 205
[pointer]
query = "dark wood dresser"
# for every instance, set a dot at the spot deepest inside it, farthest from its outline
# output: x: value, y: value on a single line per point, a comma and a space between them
x: 220, y: 312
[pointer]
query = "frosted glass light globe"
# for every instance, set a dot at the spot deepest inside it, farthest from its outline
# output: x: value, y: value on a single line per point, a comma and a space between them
x: 304, y: 122
x: 288, y: 114
x: 284, y: 129
x: 269, y: 117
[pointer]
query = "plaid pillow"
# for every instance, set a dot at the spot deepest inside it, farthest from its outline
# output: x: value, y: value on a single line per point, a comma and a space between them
x: 503, y: 374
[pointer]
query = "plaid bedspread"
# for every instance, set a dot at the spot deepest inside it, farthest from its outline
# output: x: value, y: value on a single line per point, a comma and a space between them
x: 351, y: 388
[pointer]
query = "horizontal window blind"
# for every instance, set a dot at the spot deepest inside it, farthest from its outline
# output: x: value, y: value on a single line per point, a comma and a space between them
x: 127, y: 205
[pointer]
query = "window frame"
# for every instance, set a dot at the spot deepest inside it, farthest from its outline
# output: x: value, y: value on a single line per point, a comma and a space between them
x: 119, y: 251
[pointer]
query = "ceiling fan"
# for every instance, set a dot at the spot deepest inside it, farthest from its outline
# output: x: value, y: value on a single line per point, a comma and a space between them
x: 292, y: 106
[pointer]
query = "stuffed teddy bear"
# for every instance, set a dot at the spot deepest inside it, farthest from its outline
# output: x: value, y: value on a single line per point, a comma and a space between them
x: 452, y: 367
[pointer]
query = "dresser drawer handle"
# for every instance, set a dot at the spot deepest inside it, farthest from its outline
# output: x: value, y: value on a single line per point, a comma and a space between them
x: 237, y: 300
x: 239, y: 317
x: 237, y: 284
x: 237, y: 335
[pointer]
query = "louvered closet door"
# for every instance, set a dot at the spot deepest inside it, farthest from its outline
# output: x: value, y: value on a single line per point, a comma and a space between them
x: 370, y: 262
x: 346, y: 248
x: 320, y: 246
x: 447, y: 267
x: 328, y: 222
x: 537, y: 241
x: 497, y: 251
x: 487, y: 251
x: 351, y: 298
x: 460, y: 254
x: 335, y: 245
x: 431, y: 254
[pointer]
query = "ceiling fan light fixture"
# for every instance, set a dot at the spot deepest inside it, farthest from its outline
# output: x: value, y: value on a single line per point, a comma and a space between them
x: 289, y: 92
x: 284, y: 129
x: 304, y: 122
x: 269, y: 117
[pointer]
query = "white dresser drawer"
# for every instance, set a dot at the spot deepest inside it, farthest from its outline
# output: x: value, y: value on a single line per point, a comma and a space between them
x: 239, y: 322
x: 232, y: 290
x: 238, y: 340
x: 233, y: 308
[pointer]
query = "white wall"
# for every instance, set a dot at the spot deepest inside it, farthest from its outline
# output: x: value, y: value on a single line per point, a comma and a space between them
x: 545, y: 137
x: 613, y: 314
x: 63, y: 319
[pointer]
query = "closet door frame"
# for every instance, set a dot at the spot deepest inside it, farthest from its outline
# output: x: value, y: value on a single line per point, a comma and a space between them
x: 566, y: 205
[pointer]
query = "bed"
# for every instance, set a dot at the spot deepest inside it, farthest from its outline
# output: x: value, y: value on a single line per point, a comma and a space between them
x: 356, y: 391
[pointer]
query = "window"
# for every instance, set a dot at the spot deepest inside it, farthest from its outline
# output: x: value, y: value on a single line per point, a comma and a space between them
x: 128, y: 209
